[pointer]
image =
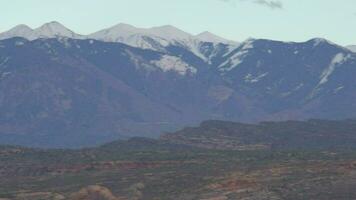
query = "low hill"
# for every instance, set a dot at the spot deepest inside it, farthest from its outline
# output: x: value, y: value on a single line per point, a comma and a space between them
x: 298, y: 135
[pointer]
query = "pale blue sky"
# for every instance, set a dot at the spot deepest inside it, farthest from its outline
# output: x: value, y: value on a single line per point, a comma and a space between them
x: 297, y: 20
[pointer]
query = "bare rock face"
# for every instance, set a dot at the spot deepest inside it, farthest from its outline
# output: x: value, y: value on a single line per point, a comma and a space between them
x: 94, y: 192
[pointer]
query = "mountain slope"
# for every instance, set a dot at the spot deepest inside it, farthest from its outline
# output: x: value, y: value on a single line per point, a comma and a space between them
x: 66, y: 92
x: 293, y: 80
x: 54, y: 91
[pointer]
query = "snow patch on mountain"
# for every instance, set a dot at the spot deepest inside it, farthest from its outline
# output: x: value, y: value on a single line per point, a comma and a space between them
x: 295, y: 89
x: 247, y: 45
x: 318, y: 41
x: 65, y: 41
x: 249, y: 78
x: 237, y: 58
x: 232, y: 62
x: 19, y: 43
x: 337, y: 60
x: 299, y: 87
x: 338, y: 89
x: 172, y: 63
x: 3, y: 61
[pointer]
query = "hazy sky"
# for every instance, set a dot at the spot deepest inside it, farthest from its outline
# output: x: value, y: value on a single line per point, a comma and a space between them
x: 288, y: 20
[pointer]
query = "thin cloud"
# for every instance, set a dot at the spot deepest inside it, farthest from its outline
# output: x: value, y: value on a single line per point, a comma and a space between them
x: 270, y: 4
x: 273, y: 4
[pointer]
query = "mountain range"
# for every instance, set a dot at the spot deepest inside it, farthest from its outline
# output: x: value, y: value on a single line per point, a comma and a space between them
x: 156, y: 38
x: 62, y: 89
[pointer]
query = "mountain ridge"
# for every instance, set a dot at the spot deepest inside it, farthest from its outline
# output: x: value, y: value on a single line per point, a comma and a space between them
x: 155, y: 38
x: 79, y: 92
x: 165, y: 31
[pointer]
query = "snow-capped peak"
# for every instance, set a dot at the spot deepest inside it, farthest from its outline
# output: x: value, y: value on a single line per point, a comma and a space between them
x: 48, y: 30
x: 18, y: 31
x: 169, y: 32
x: 115, y: 33
x: 210, y: 37
x: 130, y: 35
x: 318, y: 41
x: 55, y: 29
x: 155, y: 38
x: 21, y: 28
x: 122, y: 32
